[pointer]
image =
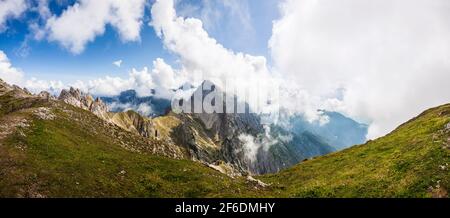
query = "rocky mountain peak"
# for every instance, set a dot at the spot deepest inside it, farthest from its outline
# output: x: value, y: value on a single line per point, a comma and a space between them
x: 77, y: 98
x: 5, y: 87
x: 17, y: 91
x: 46, y: 95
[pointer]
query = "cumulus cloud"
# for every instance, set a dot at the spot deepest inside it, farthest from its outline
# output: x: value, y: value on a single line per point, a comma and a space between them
x: 161, y: 79
x: 8, y: 73
x: 83, y: 21
x: 143, y: 108
x: 203, y: 58
x: 388, y: 58
x: 197, y: 50
x: 35, y: 85
x: 10, y: 9
x: 261, y: 143
x: 12, y: 75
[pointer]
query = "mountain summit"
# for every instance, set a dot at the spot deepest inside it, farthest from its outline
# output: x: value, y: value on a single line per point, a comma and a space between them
x: 234, y: 139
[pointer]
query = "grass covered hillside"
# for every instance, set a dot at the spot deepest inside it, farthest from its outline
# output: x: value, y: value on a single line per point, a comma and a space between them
x: 412, y: 161
x: 51, y: 149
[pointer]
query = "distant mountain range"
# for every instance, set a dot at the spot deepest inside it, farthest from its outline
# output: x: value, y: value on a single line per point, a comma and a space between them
x: 340, y: 131
x: 149, y: 106
x: 231, y: 137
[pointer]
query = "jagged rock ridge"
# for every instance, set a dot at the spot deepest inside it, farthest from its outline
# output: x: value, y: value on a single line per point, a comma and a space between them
x: 213, y: 137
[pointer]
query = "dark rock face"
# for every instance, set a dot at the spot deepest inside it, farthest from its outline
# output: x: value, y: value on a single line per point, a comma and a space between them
x: 224, y: 130
x: 143, y: 126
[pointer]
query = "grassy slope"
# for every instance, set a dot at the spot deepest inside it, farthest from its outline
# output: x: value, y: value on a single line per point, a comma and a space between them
x: 405, y: 163
x: 66, y: 158
x: 77, y: 154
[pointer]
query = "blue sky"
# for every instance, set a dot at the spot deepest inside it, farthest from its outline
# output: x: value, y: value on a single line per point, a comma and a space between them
x: 50, y: 61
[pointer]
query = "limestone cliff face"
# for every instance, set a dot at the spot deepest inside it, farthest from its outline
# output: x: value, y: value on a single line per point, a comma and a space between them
x: 216, y: 137
x: 14, y: 90
x: 129, y: 120
x: 212, y: 137
x: 84, y: 101
x: 4, y: 87
x: 46, y: 95
x: 133, y: 122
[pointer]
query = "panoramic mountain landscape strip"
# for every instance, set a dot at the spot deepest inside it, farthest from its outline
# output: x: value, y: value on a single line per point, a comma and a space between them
x: 224, y: 107
x: 51, y: 148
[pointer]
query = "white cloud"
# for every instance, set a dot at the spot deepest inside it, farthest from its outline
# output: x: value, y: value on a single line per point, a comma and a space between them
x: 53, y: 87
x: 390, y: 57
x: 83, y: 21
x: 15, y: 76
x: 8, y: 73
x: 118, y: 63
x: 161, y: 78
x: 199, y: 52
x: 164, y: 76
x: 144, y: 109
x: 43, y: 9
x: 253, y: 145
x: 106, y: 86
x: 10, y: 9
x: 202, y: 57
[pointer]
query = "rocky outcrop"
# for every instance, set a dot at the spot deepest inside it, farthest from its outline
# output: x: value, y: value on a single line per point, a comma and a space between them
x: 207, y: 137
x: 99, y: 108
x: 129, y: 120
x: 14, y: 90
x: 85, y: 101
x: 46, y: 95
x: 4, y: 87
x: 212, y: 137
x: 134, y: 122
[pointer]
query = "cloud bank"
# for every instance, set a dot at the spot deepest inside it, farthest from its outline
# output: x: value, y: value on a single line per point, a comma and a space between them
x: 203, y: 58
x: 161, y: 78
x: 389, y: 59
x: 198, y: 52
x: 9, y: 73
